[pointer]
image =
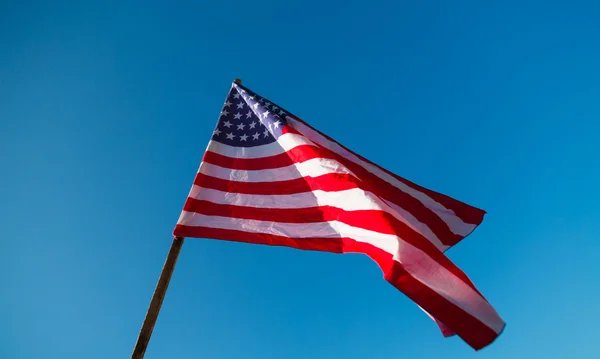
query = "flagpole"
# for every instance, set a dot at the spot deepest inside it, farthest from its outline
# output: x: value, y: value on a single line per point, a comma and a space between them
x: 157, y: 299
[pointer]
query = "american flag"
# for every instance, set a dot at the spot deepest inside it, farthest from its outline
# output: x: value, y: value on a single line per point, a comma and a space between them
x: 267, y: 177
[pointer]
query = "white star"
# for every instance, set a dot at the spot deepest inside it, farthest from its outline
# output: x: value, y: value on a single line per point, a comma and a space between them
x: 249, y: 114
x: 230, y: 136
x: 236, y: 96
x: 237, y: 116
x: 227, y: 103
x: 276, y: 124
x: 281, y: 112
x: 217, y: 132
x: 255, y: 105
x: 261, y: 100
x: 240, y: 105
x: 274, y: 108
x: 270, y: 124
x: 266, y: 133
x: 241, y: 126
x: 267, y: 104
x: 243, y: 137
x: 252, y: 124
x: 243, y: 91
x: 265, y: 114
x: 251, y: 98
x: 224, y: 113
x: 255, y: 136
x: 227, y: 124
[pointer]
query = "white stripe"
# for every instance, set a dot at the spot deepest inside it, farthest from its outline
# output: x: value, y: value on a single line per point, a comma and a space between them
x: 284, y: 143
x: 456, y: 225
x: 416, y: 225
x: 353, y: 199
x: 313, y: 168
x: 413, y: 260
x: 267, y: 150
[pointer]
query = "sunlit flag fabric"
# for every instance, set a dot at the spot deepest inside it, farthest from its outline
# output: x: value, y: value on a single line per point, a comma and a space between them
x: 267, y: 177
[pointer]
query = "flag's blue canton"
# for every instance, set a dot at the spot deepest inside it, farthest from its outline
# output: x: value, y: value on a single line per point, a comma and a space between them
x: 248, y: 120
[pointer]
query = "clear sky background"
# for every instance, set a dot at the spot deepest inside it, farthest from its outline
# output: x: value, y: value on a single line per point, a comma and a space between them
x: 106, y: 108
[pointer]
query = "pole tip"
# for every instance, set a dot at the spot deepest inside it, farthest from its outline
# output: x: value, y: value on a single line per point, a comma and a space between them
x: 238, y: 81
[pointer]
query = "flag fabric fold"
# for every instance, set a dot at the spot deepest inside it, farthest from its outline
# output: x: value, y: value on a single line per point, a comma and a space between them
x: 267, y: 177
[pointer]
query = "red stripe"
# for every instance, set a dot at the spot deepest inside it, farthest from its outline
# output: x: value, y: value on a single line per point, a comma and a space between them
x: 263, y: 163
x: 471, y: 330
x: 298, y: 154
x: 333, y: 245
x: 370, y: 182
x: 373, y: 220
x: 465, y: 212
x: 326, y: 182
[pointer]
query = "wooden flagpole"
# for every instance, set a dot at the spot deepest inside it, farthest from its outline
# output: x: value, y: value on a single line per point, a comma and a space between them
x: 157, y: 299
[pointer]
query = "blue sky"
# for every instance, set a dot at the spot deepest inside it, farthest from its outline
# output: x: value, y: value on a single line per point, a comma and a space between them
x: 106, y: 108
